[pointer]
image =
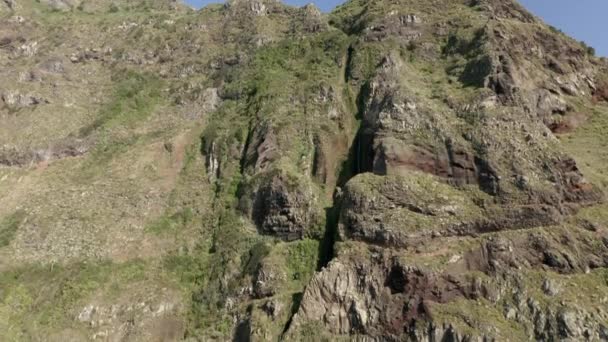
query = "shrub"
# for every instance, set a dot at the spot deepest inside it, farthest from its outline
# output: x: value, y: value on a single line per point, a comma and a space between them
x: 590, y: 50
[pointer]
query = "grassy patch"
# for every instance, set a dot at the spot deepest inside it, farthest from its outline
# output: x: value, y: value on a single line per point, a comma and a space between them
x: 135, y: 97
x: 97, y: 162
x: 476, y: 318
x: 588, y: 144
x: 38, y: 298
x: 186, y: 267
x: 302, y: 257
x: 9, y: 227
x: 171, y: 223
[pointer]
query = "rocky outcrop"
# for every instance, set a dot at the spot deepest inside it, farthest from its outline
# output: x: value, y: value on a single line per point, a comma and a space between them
x: 404, y: 26
x: 8, y: 4
x: 379, y: 298
x: 505, y: 9
x: 15, y: 100
x: 390, y: 171
x: 61, y: 5
x: 394, y: 121
x: 601, y: 91
x: 311, y: 19
x: 281, y: 206
x: 380, y: 293
x: 255, y: 7
x: 262, y: 149
x: 148, y: 318
x: 438, y: 181
x: 268, y: 280
x: 12, y: 156
x: 280, y: 202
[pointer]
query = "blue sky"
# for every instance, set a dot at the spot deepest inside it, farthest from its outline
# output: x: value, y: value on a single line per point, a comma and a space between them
x: 582, y: 19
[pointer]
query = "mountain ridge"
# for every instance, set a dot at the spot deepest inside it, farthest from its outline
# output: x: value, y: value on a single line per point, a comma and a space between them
x: 392, y: 170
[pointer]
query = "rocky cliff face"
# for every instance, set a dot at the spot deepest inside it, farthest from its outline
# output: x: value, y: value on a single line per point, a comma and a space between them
x: 393, y: 170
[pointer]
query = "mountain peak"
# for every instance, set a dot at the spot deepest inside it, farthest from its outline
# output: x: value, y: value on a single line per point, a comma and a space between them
x: 257, y: 7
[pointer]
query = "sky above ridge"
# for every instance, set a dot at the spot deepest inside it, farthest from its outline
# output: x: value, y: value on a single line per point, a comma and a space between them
x: 583, y: 19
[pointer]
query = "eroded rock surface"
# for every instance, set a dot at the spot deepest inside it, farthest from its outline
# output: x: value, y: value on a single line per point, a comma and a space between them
x: 390, y: 171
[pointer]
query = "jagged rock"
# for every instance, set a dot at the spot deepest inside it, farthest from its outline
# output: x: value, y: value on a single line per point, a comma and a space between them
x: 311, y: 19
x: 268, y: 279
x: 12, y: 156
x: 400, y: 211
x: 53, y: 65
x: 506, y: 9
x: 28, y: 49
x: 62, y: 5
x: 255, y: 7
x: 212, y: 162
x: 8, y: 5
x: 549, y: 104
x: 282, y: 208
x: 273, y: 308
x: 210, y: 100
x: 262, y: 150
x: 16, y: 100
x: 405, y: 27
x: 29, y: 76
x: 569, y: 325
x: 601, y: 92
x: 550, y: 287
x: 112, y: 321
x: 377, y: 296
x: 401, y: 154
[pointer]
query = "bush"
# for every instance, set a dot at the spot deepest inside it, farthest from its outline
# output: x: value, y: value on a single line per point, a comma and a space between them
x: 590, y: 50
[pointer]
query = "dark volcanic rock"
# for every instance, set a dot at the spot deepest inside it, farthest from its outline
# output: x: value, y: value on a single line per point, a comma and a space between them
x: 282, y: 208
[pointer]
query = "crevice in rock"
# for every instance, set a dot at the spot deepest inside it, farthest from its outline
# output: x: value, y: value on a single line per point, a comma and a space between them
x: 348, y: 66
x: 349, y: 168
x: 243, y: 161
x: 357, y: 162
x: 317, y: 160
x: 295, y: 306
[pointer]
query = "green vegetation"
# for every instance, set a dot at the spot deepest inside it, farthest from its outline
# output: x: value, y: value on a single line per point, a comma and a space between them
x: 134, y: 99
x: 291, y: 95
x: 173, y: 222
x: 36, y: 299
x: 9, y: 226
x: 555, y: 29
x: 478, y: 318
x: 467, y: 60
x: 589, y: 143
x: 302, y: 257
x: 314, y: 332
x: 276, y: 89
x: 186, y: 267
x: 590, y: 50
x: 422, y: 191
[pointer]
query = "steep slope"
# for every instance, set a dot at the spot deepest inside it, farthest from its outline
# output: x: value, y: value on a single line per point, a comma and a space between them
x: 101, y: 186
x: 395, y: 170
x: 493, y: 245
